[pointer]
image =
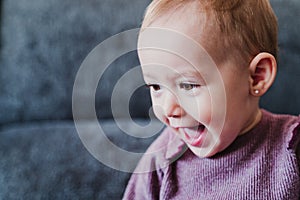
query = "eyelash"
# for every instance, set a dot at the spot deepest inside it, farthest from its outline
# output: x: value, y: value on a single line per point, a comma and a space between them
x: 188, y: 86
x: 185, y: 86
x: 155, y: 87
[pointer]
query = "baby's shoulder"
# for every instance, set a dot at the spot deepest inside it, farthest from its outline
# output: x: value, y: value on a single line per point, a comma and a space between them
x: 287, y: 128
x: 293, y: 134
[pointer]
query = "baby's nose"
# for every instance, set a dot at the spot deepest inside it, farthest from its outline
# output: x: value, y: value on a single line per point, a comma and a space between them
x: 172, y: 106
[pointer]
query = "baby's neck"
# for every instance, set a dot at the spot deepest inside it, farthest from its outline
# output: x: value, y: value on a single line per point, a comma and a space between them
x: 256, y: 120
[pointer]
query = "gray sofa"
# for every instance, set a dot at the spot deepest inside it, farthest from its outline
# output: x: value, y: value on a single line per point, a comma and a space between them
x: 43, y: 44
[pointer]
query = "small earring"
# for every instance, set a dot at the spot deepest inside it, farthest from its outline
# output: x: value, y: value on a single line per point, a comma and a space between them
x: 256, y: 91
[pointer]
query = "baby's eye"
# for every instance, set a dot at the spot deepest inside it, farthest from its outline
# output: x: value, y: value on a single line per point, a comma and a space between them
x: 188, y: 86
x: 155, y: 87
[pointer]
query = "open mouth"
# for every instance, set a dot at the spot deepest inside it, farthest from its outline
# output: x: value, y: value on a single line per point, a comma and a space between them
x: 194, y: 135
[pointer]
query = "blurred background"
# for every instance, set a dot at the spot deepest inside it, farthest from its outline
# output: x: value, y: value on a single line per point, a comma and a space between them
x: 42, y: 45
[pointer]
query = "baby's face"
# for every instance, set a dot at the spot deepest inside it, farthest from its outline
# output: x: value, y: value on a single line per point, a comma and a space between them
x: 206, y: 105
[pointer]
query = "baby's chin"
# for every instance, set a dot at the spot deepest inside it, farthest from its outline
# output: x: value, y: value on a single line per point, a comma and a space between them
x: 211, y: 146
x: 208, y: 148
x: 203, y: 152
x: 199, y: 140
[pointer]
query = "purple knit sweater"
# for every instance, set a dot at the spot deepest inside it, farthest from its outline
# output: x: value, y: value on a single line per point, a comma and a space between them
x: 261, y: 164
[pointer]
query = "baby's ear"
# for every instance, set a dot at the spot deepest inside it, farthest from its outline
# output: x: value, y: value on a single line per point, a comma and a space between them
x: 263, y: 69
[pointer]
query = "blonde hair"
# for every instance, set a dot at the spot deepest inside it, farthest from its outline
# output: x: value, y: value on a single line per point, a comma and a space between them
x: 242, y: 27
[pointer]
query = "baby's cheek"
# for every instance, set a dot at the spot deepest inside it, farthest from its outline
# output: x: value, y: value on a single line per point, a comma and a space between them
x: 200, y: 109
x: 158, y: 112
x: 204, y: 114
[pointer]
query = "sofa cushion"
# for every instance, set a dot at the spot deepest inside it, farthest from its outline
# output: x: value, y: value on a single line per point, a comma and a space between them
x: 49, y: 161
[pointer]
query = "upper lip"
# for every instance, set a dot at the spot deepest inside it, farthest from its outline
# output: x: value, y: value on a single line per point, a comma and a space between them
x: 196, y: 126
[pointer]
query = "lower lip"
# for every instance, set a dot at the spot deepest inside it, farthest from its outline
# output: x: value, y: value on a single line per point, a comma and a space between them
x: 195, y: 141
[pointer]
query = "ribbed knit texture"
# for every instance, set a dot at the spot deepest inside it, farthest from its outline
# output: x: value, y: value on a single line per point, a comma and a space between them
x: 261, y: 164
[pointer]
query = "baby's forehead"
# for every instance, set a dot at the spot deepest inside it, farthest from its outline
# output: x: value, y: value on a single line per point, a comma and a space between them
x: 184, y: 58
x: 172, y: 38
x: 188, y: 21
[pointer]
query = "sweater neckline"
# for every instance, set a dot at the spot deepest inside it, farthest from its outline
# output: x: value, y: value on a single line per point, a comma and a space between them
x: 263, y: 121
x: 243, y: 142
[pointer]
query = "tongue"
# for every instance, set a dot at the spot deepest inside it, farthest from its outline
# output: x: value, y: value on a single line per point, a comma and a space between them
x: 195, y: 132
x: 194, y: 136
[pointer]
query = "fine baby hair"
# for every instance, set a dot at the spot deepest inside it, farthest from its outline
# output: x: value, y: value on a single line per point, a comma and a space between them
x: 238, y: 27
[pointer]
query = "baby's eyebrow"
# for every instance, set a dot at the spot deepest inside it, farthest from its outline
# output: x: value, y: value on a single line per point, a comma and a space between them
x: 192, y: 74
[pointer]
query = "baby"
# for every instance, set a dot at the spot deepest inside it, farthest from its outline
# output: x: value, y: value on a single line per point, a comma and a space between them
x: 207, y: 63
